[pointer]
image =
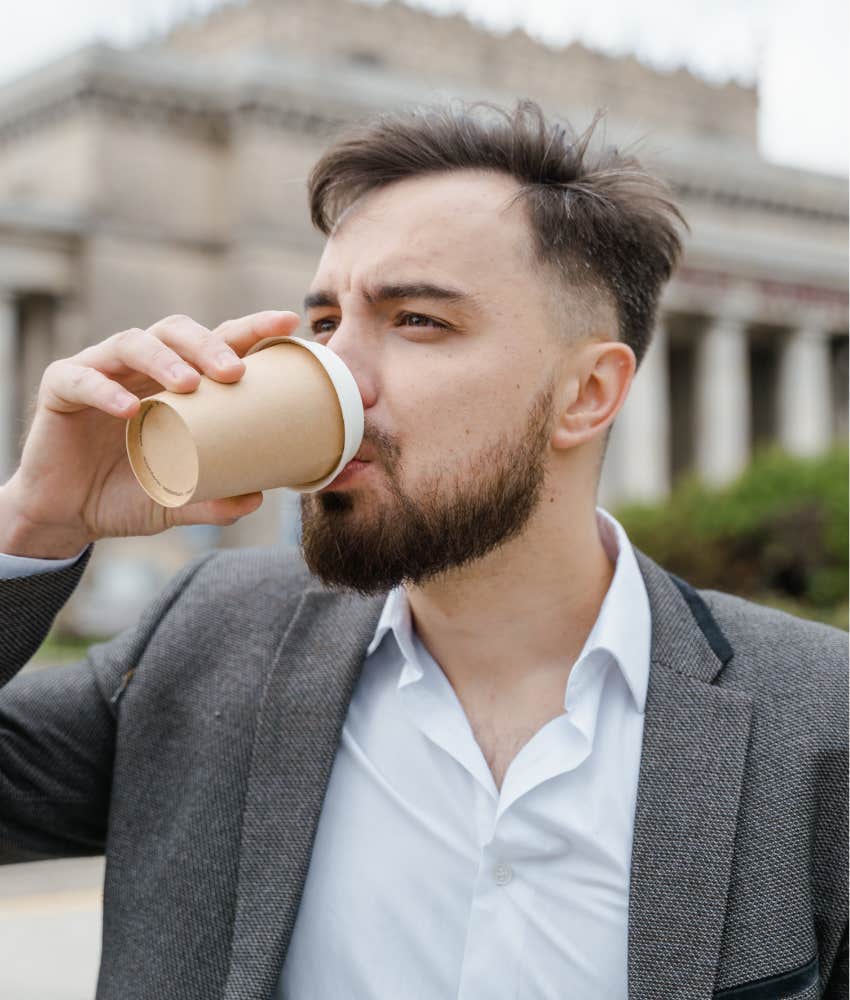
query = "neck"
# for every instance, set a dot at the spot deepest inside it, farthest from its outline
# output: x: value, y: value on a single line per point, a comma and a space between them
x: 528, y: 606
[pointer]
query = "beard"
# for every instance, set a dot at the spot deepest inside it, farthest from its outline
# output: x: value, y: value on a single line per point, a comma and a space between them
x: 352, y: 540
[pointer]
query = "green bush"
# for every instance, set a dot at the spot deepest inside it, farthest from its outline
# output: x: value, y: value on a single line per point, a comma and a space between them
x: 778, y: 534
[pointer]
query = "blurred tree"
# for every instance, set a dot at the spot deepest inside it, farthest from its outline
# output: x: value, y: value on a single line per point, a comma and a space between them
x: 778, y: 534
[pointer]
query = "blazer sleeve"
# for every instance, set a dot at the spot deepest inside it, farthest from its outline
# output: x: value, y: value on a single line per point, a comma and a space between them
x: 57, y: 725
x: 838, y: 987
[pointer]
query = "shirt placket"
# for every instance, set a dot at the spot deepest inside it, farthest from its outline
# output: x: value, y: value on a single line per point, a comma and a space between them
x: 504, y: 893
x: 493, y: 950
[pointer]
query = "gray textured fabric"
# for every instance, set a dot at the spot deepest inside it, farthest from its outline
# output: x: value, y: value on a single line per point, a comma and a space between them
x: 195, y: 748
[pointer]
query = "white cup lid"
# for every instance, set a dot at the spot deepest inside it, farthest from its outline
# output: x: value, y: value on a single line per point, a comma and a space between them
x: 349, y: 400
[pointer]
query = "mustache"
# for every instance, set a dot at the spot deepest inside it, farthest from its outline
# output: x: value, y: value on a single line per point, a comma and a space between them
x: 383, y: 444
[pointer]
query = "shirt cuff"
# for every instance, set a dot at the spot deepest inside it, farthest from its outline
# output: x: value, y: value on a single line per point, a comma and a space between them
x: 12, y: 567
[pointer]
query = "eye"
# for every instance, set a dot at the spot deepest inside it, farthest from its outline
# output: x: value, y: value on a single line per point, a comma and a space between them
x: 418, y: 320
x: 327, y: 324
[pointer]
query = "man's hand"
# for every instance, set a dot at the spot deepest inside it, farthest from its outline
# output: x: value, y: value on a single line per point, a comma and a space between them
x: 74, y: 484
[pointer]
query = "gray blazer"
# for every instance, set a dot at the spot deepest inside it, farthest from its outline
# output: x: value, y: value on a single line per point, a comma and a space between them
x: 195, y: 748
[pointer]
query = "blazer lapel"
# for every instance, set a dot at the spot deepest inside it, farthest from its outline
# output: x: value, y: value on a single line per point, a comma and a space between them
x: 695, y: 743
x: 298, y: 730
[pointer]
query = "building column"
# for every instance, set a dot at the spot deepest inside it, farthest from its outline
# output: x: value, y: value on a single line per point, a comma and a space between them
x: 36, y: 330
x: 8, y: 388
x: 805, y: 393
x: 723, y: 401
x: 643, y: 427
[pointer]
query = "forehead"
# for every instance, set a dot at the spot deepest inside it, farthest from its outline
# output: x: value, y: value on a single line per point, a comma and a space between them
x: 463, y: 224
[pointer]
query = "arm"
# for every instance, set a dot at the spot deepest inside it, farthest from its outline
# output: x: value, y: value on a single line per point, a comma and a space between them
x: 28, y: 606
x: 57, y: 726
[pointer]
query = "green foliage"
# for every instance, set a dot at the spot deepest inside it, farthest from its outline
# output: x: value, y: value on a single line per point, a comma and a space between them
x: 60, y: 648
x: 778, y: 534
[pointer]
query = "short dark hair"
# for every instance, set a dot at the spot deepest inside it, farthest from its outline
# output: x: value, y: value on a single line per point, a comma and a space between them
x: 601, y: 220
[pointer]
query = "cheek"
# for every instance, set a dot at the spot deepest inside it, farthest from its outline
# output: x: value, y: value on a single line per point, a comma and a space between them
x: 453, y: 404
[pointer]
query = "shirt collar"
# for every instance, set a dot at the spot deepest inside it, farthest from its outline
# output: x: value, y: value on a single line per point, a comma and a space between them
x: 395, y: 618
x: 622, y: 626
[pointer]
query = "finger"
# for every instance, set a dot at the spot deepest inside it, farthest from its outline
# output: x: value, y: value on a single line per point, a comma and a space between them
x: 189, y: 348
x: 207, y: 351
x: 217, y: 353
x: 142, y: 351
x: 241, y: 334
x: 68, y: 387
x: 220, y: 512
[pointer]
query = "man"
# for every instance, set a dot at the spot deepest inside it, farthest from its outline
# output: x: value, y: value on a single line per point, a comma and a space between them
x: 476, y: 746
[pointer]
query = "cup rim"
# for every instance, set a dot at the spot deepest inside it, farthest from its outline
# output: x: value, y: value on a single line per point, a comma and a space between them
x: 145, y: 475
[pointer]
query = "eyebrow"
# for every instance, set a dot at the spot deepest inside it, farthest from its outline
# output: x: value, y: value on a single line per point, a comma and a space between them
x: 393, y: 293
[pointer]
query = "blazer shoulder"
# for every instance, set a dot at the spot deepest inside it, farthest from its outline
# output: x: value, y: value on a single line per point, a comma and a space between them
x: 278, y: 566
x: 748, y: 623
x: 779, y: 654
x: 257, y: 580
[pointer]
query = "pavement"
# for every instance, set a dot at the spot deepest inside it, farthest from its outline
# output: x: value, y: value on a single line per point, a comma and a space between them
x: 50, y: 924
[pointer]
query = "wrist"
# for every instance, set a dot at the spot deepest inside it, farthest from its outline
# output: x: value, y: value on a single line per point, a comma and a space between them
x: 23, y: 535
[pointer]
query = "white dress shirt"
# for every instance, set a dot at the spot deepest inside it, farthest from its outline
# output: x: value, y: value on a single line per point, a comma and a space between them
x: 16, y: 566
x: 426, y: 881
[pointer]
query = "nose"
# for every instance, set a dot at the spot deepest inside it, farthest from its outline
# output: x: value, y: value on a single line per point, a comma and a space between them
x: 354, y: 350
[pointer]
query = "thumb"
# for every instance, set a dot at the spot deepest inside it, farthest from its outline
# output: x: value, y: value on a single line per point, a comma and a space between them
x: 243, y: 333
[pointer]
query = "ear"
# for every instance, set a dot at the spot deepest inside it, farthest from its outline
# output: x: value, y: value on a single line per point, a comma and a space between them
x: 595, y: 386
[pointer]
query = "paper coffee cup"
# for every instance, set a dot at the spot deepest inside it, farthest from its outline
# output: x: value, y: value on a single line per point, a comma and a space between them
x: 294, y: 419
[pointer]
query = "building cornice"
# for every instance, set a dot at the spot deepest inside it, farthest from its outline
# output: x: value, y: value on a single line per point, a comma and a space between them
x: 212, y: 99
x: 42, y: 222
x: 755, y: 299
x: 766, y: 201
x: 444, y: 46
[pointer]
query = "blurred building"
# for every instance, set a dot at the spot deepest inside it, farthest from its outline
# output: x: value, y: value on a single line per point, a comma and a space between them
x: 171, y: 179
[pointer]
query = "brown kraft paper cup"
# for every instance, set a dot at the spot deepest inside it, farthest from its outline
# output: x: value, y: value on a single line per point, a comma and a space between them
x: 294, y: 419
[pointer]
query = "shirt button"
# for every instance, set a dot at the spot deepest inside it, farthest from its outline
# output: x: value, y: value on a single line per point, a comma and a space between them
x: 503, y: 873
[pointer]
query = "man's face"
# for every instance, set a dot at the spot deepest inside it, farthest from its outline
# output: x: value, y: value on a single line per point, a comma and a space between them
x: 430, y: 293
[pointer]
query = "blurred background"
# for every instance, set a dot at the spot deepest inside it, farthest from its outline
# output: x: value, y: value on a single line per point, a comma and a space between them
x: 153, y: 160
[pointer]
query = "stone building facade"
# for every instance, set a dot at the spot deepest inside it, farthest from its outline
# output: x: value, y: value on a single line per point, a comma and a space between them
x: 171, y: 178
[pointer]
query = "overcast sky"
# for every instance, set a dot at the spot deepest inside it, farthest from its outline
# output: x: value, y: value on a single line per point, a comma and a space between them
x: 797, y: 52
